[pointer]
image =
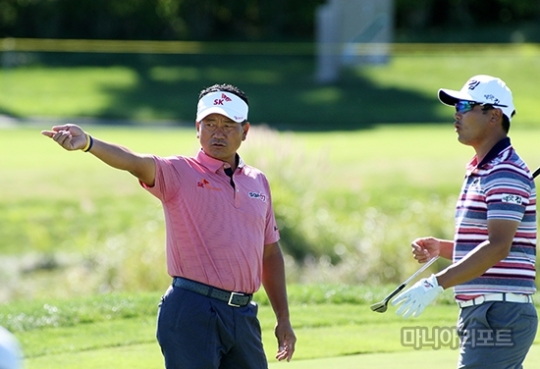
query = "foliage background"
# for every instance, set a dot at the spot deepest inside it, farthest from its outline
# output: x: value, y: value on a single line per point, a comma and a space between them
x: 260, y: 20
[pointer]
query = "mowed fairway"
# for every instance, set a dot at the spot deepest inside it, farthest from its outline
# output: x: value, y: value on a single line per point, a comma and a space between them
x: 368, y: 340
x: 329, y: 335
x: 148, y: 357
x: 428, y: 359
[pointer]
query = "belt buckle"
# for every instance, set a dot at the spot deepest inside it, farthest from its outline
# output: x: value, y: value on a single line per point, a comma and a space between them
x: 230, y: 303
x: 479, y: 300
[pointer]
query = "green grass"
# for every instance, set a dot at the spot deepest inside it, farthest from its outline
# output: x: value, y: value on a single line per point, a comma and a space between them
x: 77, y: 199
x: 325, y: 328
x: 148, y: 357
x: 74, y: 85
x: 282, y: 89
x: 82, y: 244
x: 66, y: 210
x: 422, y: 75
x: 118, y: 330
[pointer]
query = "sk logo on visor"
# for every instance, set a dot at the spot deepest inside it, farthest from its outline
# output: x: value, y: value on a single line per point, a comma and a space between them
x: 224, y: 98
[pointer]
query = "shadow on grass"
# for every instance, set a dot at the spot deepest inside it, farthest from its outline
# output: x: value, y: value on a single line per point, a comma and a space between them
x: 282, y: 90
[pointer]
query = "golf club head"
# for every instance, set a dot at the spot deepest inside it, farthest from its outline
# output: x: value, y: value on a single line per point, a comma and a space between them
x: 380, y: 307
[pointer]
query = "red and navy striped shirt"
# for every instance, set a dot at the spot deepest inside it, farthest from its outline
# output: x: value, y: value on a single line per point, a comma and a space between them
x: 499, y: 187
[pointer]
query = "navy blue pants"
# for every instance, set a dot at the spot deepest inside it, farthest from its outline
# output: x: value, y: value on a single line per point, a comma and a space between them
x: 496, y: 334
x: 198, y: 332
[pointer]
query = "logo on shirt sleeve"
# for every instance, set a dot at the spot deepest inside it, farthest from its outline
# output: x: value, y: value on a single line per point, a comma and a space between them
x: 512, y: 199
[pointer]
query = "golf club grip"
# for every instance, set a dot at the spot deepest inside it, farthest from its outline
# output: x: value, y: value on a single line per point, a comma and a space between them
x: 536, y: 173
x: 424, y: 267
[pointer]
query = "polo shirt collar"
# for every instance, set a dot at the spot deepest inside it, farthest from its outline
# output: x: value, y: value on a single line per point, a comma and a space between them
x: 496, y: 150
x: 215, y: 164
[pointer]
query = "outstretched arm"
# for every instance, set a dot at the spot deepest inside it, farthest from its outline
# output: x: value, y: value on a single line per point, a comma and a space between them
x: 72, y: 137
x: 273, y: 280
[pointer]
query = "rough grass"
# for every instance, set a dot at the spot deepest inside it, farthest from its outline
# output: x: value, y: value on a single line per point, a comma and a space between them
x: 85, y: 224
x: 72, y: 226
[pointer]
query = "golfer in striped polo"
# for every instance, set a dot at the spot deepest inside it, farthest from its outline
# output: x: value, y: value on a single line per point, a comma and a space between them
x: 494, y: 248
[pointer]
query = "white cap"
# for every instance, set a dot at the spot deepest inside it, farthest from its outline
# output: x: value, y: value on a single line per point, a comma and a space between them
x: 224, y: 103
x: 10, y: 352
x: 484, y: 90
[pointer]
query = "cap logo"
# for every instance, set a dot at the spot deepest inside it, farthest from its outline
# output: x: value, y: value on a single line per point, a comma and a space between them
x: 473, y: 84
x: 224, y: 98
x: 492, y: 98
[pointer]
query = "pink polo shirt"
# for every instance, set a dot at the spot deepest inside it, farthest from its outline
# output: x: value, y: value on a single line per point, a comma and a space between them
x: 215, y: 233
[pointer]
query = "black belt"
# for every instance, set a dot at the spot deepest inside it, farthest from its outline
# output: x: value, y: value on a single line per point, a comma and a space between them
x: 236, y: 299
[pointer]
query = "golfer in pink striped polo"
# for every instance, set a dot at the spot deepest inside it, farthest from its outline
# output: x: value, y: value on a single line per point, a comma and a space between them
x: 222, y: 238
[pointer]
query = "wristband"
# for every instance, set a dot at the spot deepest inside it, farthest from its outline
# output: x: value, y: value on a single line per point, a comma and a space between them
x: 89, y: 143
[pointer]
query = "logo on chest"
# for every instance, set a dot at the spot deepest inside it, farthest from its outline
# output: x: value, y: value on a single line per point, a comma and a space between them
x: 257, y: 195
x: 204, y: 184
x: 476, y: 185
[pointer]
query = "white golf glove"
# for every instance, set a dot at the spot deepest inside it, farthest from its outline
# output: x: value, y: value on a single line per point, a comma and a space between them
x: 416, y: 298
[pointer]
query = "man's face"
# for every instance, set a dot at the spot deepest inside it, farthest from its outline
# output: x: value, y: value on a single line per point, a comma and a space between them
x: 473, y: 126
x: 220, y: 137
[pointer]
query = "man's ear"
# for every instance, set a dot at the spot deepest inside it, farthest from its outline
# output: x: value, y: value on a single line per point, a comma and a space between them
x: 496, y: 115
x: 245, y: 127
x: 198, y: 127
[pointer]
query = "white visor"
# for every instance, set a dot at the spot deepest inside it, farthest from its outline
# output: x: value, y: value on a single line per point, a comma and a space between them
x: 224, y: 103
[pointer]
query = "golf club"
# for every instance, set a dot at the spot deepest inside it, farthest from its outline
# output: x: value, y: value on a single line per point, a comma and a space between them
x: 380, y: 307
x: 536, y: 172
